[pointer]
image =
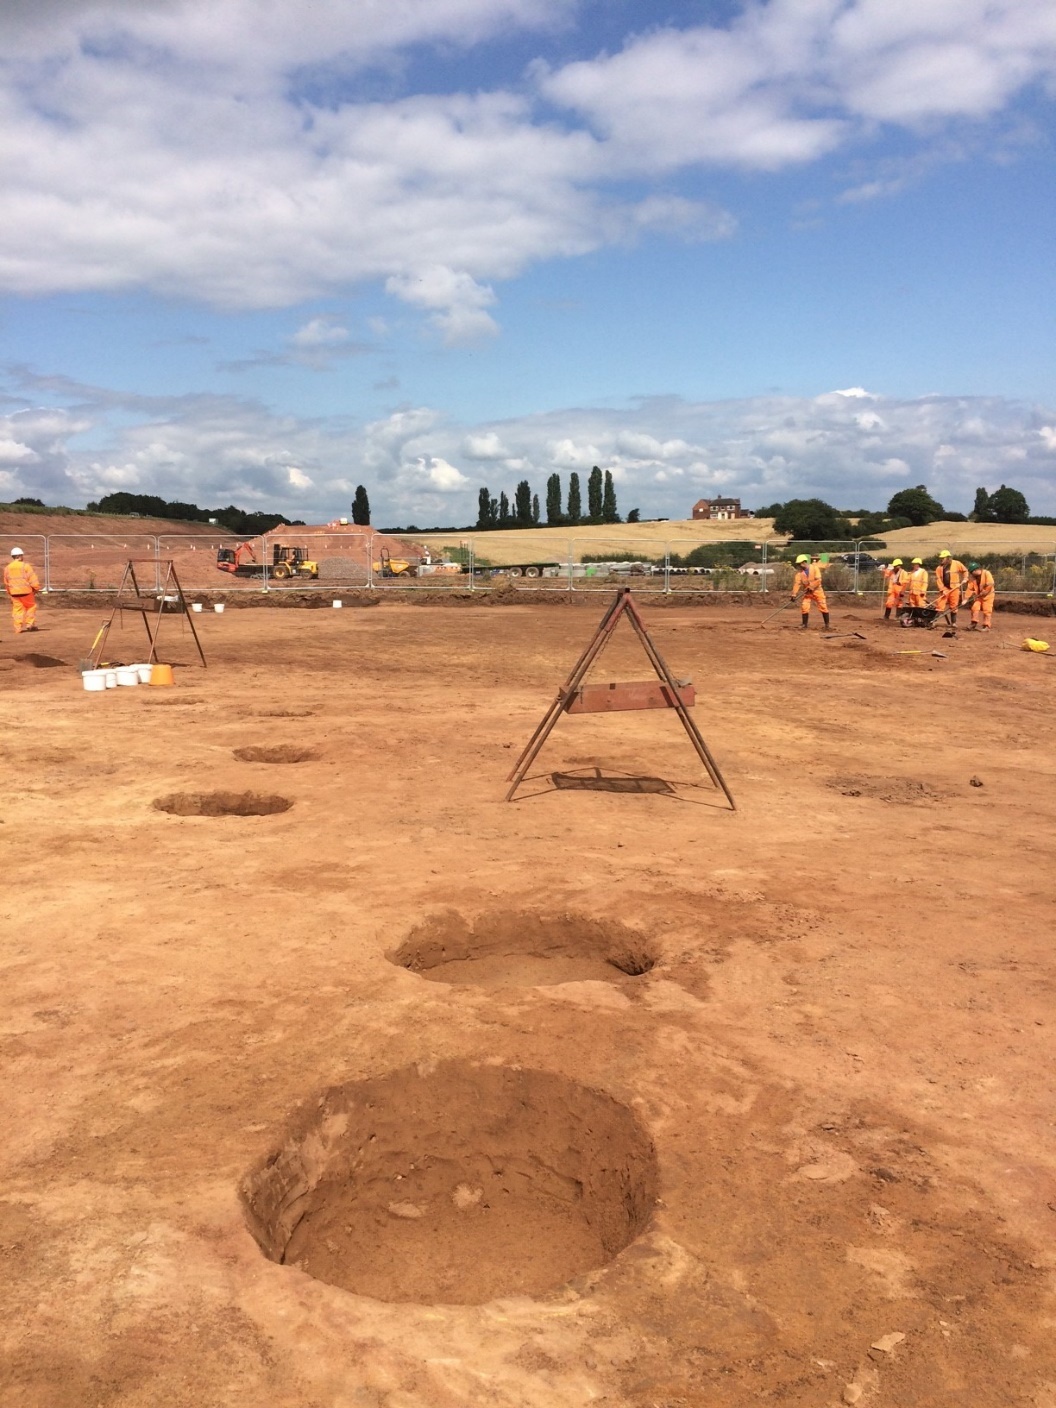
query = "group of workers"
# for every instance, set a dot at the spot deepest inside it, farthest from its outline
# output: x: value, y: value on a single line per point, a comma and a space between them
x: 907, y: 592
x: 21, y: 584
x: 957, y: 586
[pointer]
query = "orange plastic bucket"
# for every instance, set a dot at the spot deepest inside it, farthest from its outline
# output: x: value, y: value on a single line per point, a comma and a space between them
x: 161, y: 674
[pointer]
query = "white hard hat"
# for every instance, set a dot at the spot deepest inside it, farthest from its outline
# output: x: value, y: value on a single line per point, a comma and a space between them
x: 16, y: 552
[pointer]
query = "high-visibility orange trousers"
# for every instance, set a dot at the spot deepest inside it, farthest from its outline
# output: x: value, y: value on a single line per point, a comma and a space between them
x: 914, y: 599
x: 894, y: 599
x: 24, y: 611
x: 948, y: 599
x: 983, y: 611
x: 816, y: 595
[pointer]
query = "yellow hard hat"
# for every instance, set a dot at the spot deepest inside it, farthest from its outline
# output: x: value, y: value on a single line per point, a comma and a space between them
x: 896, y: 562
x: 802, y: 558
x: 945, y: 552
x: 918, y: 562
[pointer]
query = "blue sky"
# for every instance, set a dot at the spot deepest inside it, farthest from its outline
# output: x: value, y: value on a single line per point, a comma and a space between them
x: 260, y: 253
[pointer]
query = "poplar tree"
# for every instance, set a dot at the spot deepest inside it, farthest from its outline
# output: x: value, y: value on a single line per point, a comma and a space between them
x: 608, y: 500
x: 522, y: 504
x: 485, y: 508
x: 535, y: 510
x: 553, y: 499
x: 361, y: 507
x: 575, y: 503
x: 504, y: 511
x: 594, y: 496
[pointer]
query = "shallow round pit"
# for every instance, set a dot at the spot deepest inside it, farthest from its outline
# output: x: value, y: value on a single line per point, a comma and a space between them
x: 222, y: 804
x: 454, y: 1185
x: 280, y: 753
x: 516, y: 948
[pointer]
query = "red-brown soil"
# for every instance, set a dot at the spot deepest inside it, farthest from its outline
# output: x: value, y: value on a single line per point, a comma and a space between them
x: 89, y: 551
x: 842, y: 1054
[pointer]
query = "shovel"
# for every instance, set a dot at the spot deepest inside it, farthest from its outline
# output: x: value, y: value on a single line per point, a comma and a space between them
x: 98, y: 643
x: 843, y: 635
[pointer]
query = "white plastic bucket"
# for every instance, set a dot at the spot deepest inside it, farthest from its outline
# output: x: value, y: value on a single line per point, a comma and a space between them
x: 127, y: 675
x: 94, y: 680
x: 337, y: 604
x: 196, y: 606
x: 143, y: 671
x: 111, y: 679
x: 218, y: 607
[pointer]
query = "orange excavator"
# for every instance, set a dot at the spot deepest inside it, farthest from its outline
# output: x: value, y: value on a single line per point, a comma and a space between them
x: 286, y: 561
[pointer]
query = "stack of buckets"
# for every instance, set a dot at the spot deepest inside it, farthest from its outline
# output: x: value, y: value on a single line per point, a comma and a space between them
x: 126, y: 675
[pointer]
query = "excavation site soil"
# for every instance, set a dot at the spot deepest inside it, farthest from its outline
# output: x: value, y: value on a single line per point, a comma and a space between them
x: 334, y: 1080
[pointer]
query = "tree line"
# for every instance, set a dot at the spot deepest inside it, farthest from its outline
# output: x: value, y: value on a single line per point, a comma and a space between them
x: 235, y: 520
x: 814, y: 520
x: 523, y: 510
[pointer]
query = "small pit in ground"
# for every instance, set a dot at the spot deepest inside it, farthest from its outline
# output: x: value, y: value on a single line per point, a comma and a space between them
x: 279, y: 753
x: 222, y: 804
x: 516, y: 948
x: 454, y: 1184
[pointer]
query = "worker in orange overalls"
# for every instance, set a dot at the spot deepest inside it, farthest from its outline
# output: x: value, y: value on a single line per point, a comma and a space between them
x: 896, y: 578
x: 807, y: 579
x: 21, y: 585
x: 980, y: 592
x: 950, y: 577
x: 916, y: 593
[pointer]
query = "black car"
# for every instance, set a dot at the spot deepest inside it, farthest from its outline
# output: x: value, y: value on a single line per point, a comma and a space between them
x: 866, y: 563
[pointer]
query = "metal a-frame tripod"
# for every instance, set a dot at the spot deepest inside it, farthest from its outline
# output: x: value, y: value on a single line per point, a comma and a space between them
x: 576, y: 698
x: 131, y: 598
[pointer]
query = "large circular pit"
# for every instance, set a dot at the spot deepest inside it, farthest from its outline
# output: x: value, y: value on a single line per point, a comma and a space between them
x: 518, y: 948
x: 454, y: 1185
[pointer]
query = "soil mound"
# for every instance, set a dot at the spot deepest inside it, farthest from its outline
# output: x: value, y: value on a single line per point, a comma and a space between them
x: 456, y: 1185
x: 513, y: 948
x: 222, y: 804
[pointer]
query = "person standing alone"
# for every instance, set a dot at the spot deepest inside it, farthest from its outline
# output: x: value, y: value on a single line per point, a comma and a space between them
x: 807, y: 579
x: 21, y: 584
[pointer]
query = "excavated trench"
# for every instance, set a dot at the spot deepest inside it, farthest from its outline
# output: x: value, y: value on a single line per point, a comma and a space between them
x: 222, y: 804
x: 517, y: 948
x: 279, y: 753
x: 454, y: 1185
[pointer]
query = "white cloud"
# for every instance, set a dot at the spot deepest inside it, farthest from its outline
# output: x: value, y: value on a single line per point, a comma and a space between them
x: 456, y: 301
x: 485, y: 447
x: 441, y: 475
x: 14, y: 452
x: 214, y: 151
x: 320, y: 332
x: 664, y: 452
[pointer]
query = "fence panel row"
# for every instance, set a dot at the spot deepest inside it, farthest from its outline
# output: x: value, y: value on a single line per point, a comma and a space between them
x: 359, y: 559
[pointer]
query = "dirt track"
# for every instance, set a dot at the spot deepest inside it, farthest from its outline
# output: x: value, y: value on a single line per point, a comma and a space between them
x: 840, y: 1047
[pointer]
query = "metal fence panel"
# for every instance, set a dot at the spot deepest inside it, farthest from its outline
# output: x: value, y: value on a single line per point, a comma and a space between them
x: 34, y: 548
x: 96, y: 561
x: 600, y: 563
x: 194, y: 557
x: 343, y: 557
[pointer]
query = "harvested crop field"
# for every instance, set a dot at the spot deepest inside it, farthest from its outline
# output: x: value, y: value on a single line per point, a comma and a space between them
x: 334, y: 1081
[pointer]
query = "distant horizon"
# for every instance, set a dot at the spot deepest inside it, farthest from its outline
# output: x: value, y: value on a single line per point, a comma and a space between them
x: 256, y: 254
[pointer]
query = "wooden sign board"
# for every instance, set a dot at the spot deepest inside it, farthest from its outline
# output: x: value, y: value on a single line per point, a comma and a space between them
x: 639, y: 694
